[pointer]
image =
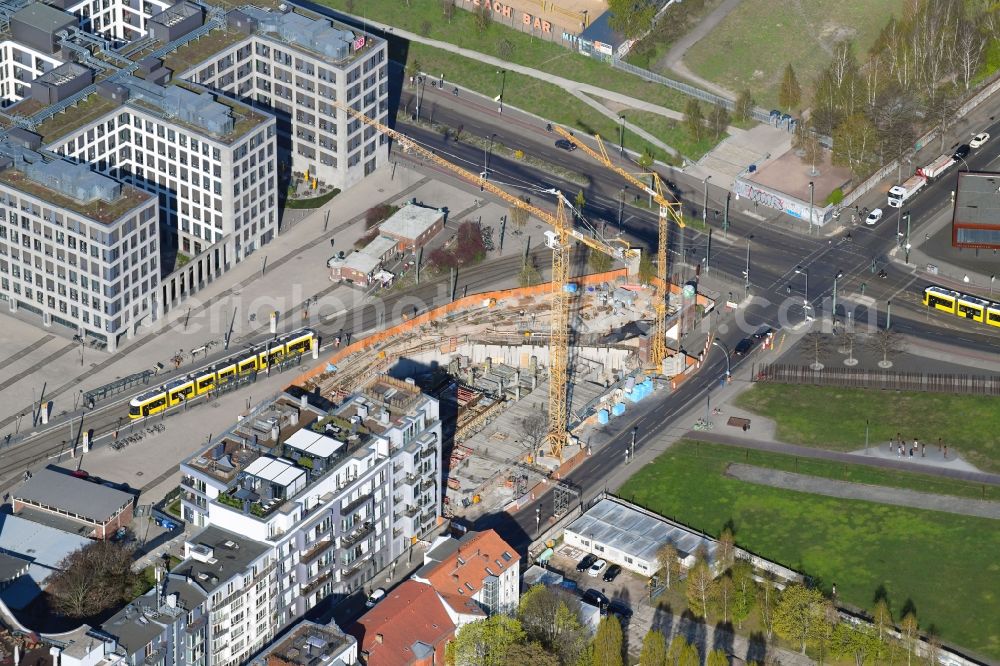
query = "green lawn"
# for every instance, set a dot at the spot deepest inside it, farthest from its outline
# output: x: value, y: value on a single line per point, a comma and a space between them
x: 314, y: 202
x: 543, y: 99
x: 425, y: 17
x: 943, y: 563
x: 673, y: 133
x: 752, y: 45
x: 834, y: 418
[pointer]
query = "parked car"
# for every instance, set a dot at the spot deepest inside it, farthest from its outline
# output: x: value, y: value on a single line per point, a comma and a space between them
x: 612, y: 573
x: 595, y: 598
x: 619, y: 608
x: 568, y: 146
x: 979, y: 140
x: 962, y: 151
x: 596, y: 568
x: 762, y: 332
x: 375, y: 597
x: 745, y: 346
x: 585, y: 563
x: 874, y: 216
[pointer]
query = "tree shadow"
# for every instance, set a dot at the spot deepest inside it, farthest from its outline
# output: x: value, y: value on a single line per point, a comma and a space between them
x: 663, y: 620
x: 756, y: 647
x: 908, y: 607
x: 881, y: 594
x: 693, y: 630
x: 723, y: 637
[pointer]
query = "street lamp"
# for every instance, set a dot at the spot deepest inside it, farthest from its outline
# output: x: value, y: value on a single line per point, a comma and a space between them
x: 487, y: 153
x: 721, y: 345
x: 992, y: 277
x: 799, y: 270
x: 836, y: 277
x: 704, y: 207
x: 421, y: 84
x: 963, y: 162
x: 503, y: 84
x: 621, y: 134
x: 746, y: 273
x: 812, y: 189
x: 621, y: 211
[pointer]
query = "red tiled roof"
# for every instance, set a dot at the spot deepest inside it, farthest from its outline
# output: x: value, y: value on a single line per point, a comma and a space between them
x: 461, y: 574
x: 410, y: 613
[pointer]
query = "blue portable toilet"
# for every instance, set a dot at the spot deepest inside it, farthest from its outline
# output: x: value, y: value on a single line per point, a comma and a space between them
x: 603, y: 417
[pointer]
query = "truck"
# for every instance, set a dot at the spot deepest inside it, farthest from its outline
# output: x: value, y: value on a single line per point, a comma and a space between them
x: 900, y: 193
x: 937, y: 167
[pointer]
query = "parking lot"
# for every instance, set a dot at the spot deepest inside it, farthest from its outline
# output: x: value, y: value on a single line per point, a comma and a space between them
x: 627, y: 590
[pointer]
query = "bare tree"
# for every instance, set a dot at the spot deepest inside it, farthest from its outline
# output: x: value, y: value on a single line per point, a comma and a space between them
x: 969, y: 49
x: 727, y: 547
x: 816, y: 345
x: 534, y: 428
x: 807, y: 144
x: 887, y: 343
x: 666, y: 558
x: 846, y: 337
x: 448, y: 9
x: 942, y: 108
x: 518, y: 216
x: 93, y: 579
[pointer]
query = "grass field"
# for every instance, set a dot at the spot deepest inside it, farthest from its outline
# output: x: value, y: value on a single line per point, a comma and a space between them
x: 944, y: 564
x: 834, y: 418
x: 535, y: 96
x: 543, y: 99
x: 752, y: 45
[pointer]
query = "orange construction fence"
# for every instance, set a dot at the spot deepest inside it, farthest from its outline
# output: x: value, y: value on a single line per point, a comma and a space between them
x: 460, y: 304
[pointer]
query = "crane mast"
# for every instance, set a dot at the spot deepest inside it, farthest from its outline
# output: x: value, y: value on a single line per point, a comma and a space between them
x: 559, y: 242
x: 669, y: 210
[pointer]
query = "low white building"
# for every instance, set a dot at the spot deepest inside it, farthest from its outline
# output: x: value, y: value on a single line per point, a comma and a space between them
x: 630, y: 536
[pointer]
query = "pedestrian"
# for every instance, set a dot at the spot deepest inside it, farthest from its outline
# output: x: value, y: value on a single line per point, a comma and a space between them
x: 911, y: 451
x: 899, y: 450
x: 939, y: 445
x: 916, y: 442
x: 891, y: 445
x: 923, y: 453
x: 945, y: 450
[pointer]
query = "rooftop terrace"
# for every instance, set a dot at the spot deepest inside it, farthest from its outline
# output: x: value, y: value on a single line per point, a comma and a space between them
x: 98, y: 209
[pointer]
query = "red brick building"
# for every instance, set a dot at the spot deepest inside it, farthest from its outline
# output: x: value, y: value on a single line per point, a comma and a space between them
x: 409, y: 627
x: 413, y: 226
x: 96, y: 510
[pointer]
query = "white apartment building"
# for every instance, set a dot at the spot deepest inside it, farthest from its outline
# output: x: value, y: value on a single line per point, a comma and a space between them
x: 209, y: 160
x: 76, y: 248
x: 294, y: 63
x: 335, y: 492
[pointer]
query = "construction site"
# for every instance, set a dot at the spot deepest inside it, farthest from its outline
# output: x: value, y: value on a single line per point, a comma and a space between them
x: 487, y: 359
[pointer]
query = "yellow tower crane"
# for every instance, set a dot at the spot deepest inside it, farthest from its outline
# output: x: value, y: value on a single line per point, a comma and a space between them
x: 668, y: 210
x: 559, y: 241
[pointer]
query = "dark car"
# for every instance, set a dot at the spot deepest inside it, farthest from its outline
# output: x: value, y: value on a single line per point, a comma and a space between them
x: 595, y: 598
x: 612, y: 573
x: 618, y: 607
x: 585, y: 563
x: 962, y: 152
x: 745, y: 346
x: 762, y: 332
x: 566, y: 145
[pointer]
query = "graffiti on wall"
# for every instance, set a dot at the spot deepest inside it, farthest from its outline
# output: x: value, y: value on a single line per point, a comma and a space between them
x: 761, y: 197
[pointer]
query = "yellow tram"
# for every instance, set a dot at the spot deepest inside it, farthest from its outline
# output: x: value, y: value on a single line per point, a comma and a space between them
x: 201, y: 382
x: 963, y: 305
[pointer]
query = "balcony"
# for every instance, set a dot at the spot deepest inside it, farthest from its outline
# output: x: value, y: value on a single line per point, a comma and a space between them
x: 316, y: 551
x: 347, y: 510
x: 412, y: 511
x: 357, y: 535
x: 313, y: 586
x: 427, y: 485
x: 356, y: 567
x: 428, y: 452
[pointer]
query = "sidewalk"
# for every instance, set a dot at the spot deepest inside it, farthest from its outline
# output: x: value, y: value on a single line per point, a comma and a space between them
x: 285, y: 275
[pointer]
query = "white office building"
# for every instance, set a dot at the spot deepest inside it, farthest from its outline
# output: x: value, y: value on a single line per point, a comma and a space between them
x: 294, y: 63
x: 335, y: 492
x: 208, y: 159
x: 76, y: 248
